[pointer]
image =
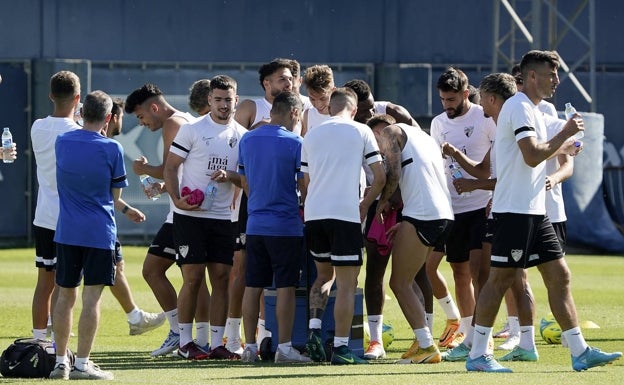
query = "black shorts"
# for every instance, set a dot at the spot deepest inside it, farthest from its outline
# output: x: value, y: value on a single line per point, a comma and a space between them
x: 488, y: 234
x: 240, y: 227
x: 431, y: 233
x: 273, y: 257
x: 73, y: 262
x: 335, y: 241
x: 118, y: 254
x: 562, y: 233
x: 45, y: 248
x: 523, y: 241
x: 163, y: 245
x: 202, y: 240
x: 466, y: 234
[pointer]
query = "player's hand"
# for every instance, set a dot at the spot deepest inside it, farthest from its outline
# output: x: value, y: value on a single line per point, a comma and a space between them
x: 137, y: 165
x: 135, y: 215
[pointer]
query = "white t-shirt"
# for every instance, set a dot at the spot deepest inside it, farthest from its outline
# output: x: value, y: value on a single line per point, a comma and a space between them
x: 315, y: 118
x: 519, y: 188
x: 473, y: 134
x: 263, y: 110
x: 332, y: 156
x: 548, y: 108
x: 189, y: 119
x: 423, y: 181
x: 43, y: 136
x: 206, y: 147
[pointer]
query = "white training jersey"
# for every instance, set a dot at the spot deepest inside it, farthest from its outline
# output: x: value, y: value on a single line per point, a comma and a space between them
x: 423, y: 181
x: 206, y: 147
x: 473, y: 134
x: 306, y: 102
x: 519, y: 188
x: 332, y: 156
x: 555, y: 206
x: 189, y: 119
x: 548, y: 108
x: 43, y: 137
x: 263, y: 110
x: 315, y: 118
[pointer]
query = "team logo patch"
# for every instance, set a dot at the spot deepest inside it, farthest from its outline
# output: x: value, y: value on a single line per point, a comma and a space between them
x: 468, y: 131
x: 183, y: 250
x: 232, y: 142
x: 516, y: 254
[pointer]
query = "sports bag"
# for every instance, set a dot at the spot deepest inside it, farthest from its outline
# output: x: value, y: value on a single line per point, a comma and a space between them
x: 29, y: 358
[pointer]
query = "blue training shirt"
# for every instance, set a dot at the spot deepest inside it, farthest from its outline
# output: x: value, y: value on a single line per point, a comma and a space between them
x: 270, y: 159
x: 88, y: 166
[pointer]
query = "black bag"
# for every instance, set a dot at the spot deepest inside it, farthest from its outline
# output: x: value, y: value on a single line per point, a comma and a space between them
x: 29, y: 358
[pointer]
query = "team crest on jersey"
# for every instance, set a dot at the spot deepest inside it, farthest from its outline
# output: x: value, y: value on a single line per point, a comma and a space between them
x: 516, y: 254
x: 183, y: 250
x: 232, y: 141
x: 207, y: 140
x: 468, y: 131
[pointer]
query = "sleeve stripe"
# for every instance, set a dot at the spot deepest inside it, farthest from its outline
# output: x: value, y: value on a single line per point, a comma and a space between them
x: 174, y: 144
x: 523, y: 129
x: 371, y: 154
x: 119, y: 179
x: 304, y: 164
x: 406, y: 162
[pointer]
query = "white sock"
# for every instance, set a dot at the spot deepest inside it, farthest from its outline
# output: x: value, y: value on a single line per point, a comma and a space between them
x: 464, y: 324
x: 429, y: 320
x: 186, y: 333
x: 576, y: 341
x: 315, y: 323
x: 40, y: 334
x: 480, y: 341
x: 514, y: 325
x: 423, y: 336
x: 375, y: 326
x: 134, y: 316
x: 233, y: 329
x: 172, y: 317
x: 201, y: 333
x: 527, y: 337
x: 449, y: 307
x: 81, y: 363
x: 261, y: 333
x: 62, y: 360
x: 216, y: 335
x: 340, y: 341
x: 469, y: 335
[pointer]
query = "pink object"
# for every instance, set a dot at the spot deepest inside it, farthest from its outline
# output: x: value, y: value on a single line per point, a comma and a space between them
x: 377, y: 232
x: 196, y: 196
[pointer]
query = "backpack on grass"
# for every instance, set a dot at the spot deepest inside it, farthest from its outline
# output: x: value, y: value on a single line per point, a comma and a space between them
x: 29, y: 358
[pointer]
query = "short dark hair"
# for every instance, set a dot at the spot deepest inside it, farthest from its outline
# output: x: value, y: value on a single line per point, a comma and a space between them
x: 96, y: 106
x: 380, y: 118
x: 64, y: 85
x: 500, y: 84
x: 473, y: 94
x: 453, y: 80
x: 360, y: 87
x: 140, y: 95
x: 516, y: 72
x: 198, y: 94
x: 223, y: 82
x: 285, y: 101
x: 535, y: 58
x: 269, y: 68
x: 118, y: 106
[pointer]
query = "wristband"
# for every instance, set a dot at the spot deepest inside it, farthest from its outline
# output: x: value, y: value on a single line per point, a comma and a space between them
x: 125, y: 209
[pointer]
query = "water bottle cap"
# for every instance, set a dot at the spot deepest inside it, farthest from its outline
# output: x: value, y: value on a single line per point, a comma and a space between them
x: 568, y: 105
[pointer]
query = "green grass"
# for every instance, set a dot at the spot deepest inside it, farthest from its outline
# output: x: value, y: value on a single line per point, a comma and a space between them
x: 597, y: 287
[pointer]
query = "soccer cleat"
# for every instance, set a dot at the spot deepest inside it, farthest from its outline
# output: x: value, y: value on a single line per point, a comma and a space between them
x: 412, y: 350
x: 342, y: 355
x: 429, y: 355
x: 519, y: 354
x: 460, y: 353
x: 314, y: 346
x: 448, y: 335
x: 92, y: 372
x: 459, y: 338
x: 171, y: 343
x: 485, y: 363
x: 221, y: 353
x: 592, y: 357
x: 205, y: 347
x: 374, y: 351
x: 60, y: 372
x: 292, y: 355
x: 191, y: 351
x: 148, y: 321
x: 235, y: 346
x: 249, y: 356
x: 504, y: 332
x: 512, y: 341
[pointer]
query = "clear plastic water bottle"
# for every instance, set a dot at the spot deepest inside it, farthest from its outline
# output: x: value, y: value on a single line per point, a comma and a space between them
x: 149, y: 186
x: 7, y: 144
x: 209, y: 195
x: 569, y: 113
x: 455, y: 171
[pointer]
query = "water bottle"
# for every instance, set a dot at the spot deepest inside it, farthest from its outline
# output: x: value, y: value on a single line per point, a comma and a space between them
x: 455, y: 171
x: 7, y: 144
x: 149, y: 187
x: 569, y: 113
x: 209, y: 195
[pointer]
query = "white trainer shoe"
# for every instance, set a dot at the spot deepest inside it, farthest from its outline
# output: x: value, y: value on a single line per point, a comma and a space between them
x: 92, y: 372
x: 149, y: 321
x: 512, y: 341
x: 292, y: 355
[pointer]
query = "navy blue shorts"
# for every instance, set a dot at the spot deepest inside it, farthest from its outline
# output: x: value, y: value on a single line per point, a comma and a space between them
x: 202, y: 240
x: 73, y: 262
x: 272, y: 258
x: 335, y: 241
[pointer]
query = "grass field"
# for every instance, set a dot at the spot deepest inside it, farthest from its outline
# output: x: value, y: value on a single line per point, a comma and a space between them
x: 597, y: 287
